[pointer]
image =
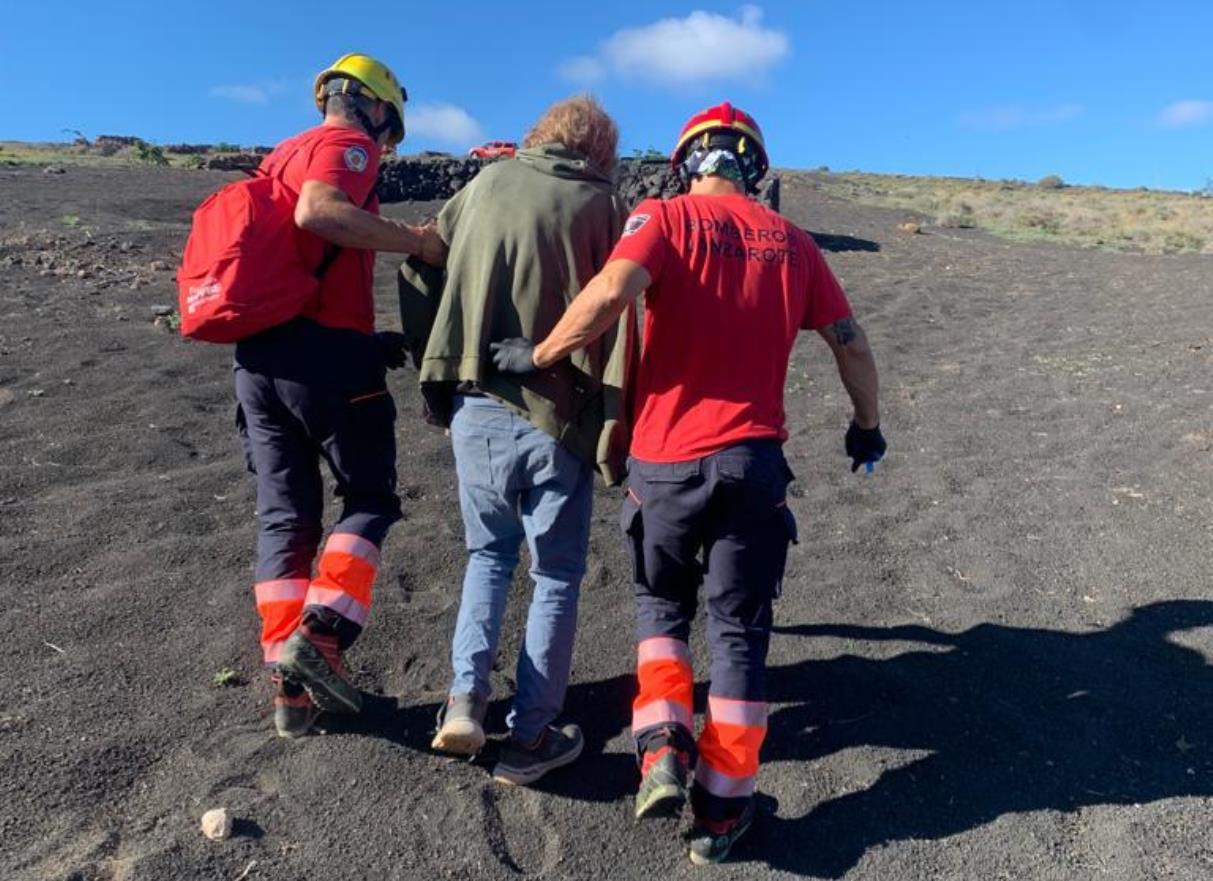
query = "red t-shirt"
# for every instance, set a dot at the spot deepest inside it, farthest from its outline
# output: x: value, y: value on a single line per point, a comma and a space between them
x: 348, y: 160
x: 733, y: 282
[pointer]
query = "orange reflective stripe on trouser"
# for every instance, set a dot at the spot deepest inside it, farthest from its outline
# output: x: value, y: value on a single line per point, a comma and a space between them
x: 345, y: 576
x: 280, y: 605
x: 729, y: 746
x: 663, y: 668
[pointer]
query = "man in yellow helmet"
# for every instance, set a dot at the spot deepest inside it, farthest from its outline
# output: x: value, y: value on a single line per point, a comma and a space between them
x: 377, y: 96
x: 314, y: 388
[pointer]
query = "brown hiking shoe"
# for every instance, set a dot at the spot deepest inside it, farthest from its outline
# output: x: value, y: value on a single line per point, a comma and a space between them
x: 461, y: 725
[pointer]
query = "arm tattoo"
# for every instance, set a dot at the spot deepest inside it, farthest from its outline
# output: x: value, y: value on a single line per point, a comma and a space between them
x: 844, y: 331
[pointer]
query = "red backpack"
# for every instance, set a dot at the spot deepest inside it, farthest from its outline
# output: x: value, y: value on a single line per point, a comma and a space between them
x: 242, y: 271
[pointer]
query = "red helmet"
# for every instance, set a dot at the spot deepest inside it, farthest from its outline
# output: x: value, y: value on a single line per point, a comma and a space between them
x: 723, y: 118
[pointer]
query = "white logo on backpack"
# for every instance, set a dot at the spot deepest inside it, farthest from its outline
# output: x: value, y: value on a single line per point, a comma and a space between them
x: 201, y: 294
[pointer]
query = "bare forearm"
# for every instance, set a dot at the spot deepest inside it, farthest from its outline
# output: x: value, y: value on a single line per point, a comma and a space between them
x: 593, y: 311
x: 589, y: 315
x: 348, y: 226
x: 856, y: 369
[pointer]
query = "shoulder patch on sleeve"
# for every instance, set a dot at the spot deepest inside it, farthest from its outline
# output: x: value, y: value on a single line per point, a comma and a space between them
x: 356, y: 158
x: 635, y: 223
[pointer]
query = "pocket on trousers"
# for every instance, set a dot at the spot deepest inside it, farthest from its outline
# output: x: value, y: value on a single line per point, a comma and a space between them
x: 666, y: 472
x: 744, y: 466
x: 482, y: 456
x: 245, y: 443
x: 788, y: 521
x: 373, y: 411
x: 363, y: 449
x: 631, y: 521
x: 789, y: 524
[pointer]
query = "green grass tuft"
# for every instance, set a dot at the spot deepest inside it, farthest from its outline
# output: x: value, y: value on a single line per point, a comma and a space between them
x: 227, y: 678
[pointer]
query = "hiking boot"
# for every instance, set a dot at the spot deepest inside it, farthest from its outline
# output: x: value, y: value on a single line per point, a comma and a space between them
x: 294, y: 712
x: 523, y: 765
x: 663, y: 787
x: 313, y: 660
x: 461, y: 725
x: 711, y: 844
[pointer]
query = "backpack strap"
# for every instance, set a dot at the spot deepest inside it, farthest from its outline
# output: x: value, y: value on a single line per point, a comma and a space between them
x: 332, y: 252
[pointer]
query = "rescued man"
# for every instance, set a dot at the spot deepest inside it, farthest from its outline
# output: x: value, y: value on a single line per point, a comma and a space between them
x: 524, y: 236
x: 314, y: 389
x: 730, y: 284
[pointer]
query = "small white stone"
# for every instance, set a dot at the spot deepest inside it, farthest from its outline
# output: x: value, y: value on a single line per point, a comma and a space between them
x: 217, y: 824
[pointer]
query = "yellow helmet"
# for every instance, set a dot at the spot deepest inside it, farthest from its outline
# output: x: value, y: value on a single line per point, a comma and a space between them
x: 375, y: 79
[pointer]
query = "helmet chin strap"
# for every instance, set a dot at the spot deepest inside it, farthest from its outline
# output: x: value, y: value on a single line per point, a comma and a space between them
x: 369, y: 127
x: 350, y: 87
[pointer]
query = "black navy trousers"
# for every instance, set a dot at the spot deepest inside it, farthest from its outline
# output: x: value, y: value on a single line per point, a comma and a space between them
x: 721, y: 522
x: 308, y: 393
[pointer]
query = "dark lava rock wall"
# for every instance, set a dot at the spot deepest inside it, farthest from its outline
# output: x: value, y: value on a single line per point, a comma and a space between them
x: 424, y: 178
x: 436, y: 177
x: 233, y: 162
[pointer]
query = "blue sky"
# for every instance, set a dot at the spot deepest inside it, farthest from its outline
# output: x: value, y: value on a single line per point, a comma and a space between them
x: 1116, y: 93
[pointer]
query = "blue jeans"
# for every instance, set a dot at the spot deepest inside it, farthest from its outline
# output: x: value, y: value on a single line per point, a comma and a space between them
x: 516, y: 481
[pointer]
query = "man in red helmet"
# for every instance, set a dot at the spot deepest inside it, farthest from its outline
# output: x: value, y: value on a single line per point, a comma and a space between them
x: 730, y: 284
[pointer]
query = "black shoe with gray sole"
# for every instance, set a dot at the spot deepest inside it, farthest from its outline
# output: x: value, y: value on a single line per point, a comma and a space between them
x: 302, y: 661
x: 663, y: 789
x: 294, y: 712
x: 710, y: 847
x: 522, y: 765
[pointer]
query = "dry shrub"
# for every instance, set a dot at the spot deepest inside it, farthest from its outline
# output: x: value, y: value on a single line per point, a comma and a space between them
x: 959, y: 216
x: 1045, y: 221
x: 1180, y: 241
x: 1153, y: 221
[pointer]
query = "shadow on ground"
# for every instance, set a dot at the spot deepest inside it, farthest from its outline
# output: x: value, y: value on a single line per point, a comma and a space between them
x: 838, y: 243
x: 1014, y: 720
x: 602, y: 709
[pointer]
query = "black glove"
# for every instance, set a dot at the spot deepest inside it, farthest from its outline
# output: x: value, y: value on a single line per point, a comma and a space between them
x: 515, y: 355
x: 864, y: 445
x: 392, y: 348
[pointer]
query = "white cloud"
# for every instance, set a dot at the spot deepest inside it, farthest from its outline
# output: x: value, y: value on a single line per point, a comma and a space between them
x: 702, y: 47
x: 248, y: 93
x: 1186, y: 113
x: 445, y: 123
x: 1008, y: 117
x: 584, y: 70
